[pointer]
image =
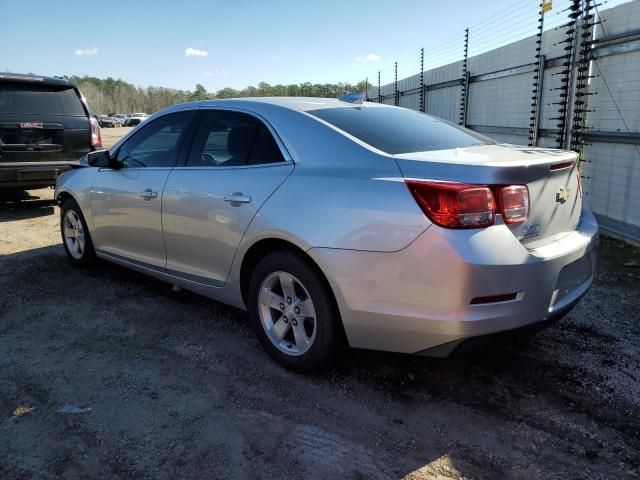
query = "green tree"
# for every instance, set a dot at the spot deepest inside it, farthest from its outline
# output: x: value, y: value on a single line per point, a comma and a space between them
x: 200, y: 93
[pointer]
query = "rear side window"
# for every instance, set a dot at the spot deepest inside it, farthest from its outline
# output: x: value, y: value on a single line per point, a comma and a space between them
x: 396, y: 131
x: 231, y: 139
x: 40, y: 99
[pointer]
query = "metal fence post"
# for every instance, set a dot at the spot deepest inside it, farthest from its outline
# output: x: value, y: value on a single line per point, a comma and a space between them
x: 366, y: 89
x: 566, y: 74
x: 465, y: 81
x: 538, y: 80
x: 379, y: 91
x: 575, y: 12
x: 396, y: 100
x: 582, y: 78
x: 422, y: 92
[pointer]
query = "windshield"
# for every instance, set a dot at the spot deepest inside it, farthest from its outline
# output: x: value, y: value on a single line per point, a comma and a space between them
x: 398, y: 130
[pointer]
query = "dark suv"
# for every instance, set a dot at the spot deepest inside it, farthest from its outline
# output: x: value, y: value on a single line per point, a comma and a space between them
x: 45, y: 126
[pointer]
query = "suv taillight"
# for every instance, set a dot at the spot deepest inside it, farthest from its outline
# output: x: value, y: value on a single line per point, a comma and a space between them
x: 96, y: 139
x: 460, y: 205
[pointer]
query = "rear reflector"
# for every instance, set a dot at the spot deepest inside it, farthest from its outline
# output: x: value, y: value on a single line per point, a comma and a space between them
x: 561, y: 166
x: 514, y: 203
x: 507, y: 297
x: 454, y: 205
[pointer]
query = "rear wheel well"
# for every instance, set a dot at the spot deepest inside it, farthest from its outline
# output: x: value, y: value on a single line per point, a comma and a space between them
x: 258, y: 251
x: 262, y: 248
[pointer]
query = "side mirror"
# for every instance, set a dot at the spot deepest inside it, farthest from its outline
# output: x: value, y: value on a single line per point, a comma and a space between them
x: 101, y: 158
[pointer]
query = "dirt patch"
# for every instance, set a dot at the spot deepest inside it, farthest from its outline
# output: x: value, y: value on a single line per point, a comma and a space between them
x: 176, y: 386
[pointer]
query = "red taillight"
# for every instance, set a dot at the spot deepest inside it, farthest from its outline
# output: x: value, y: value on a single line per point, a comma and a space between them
x: 454, y: 205
x: 96, y: 139
x: 460, y: 205
x: 514, y: 203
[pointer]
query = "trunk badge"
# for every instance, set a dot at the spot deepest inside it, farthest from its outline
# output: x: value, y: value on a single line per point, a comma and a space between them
x: 31, y: 125
x: 563, y: 195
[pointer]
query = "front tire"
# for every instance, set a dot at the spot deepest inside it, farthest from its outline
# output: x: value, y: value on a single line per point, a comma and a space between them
x: 294, y: 313
x: 75, y: 234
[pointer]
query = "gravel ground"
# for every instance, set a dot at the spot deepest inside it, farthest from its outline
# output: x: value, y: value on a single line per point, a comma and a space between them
x: 158, y: 384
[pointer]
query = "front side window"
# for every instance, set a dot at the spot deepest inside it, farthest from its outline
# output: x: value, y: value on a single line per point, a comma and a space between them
x: 156, y: 144
x: 398, y: 130
x: 228, y: 139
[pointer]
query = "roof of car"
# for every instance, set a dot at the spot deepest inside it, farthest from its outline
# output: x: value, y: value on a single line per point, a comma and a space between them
x: 32, y: 78
x: 302, y: 104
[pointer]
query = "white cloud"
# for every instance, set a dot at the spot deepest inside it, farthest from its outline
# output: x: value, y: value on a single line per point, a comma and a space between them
x: 194, y: 52
x: 216, y: 72
x: 87, y: 52
x: 372, y: 57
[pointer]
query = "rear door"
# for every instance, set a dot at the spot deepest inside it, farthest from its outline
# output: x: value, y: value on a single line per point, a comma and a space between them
x: 42, y: 123
x: 234, y: 164
x: 126, y: 203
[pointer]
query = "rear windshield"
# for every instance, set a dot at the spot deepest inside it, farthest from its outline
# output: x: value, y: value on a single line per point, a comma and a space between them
x: 398, y: 130
x: 39, y: 99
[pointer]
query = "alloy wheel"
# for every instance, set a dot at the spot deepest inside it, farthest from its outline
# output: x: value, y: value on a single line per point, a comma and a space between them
x: 73, y: 234
x: 287, y: 313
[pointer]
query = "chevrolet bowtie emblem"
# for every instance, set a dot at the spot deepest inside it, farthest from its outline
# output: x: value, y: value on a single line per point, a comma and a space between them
x: 563, y: 195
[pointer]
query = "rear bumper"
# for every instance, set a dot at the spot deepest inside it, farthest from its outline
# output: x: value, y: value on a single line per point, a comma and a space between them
x: 421, y: 297
x: 32, y: 174
x: 491, y: 341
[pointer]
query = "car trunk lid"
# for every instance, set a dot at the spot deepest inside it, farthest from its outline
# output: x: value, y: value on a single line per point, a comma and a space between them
x: 550, y: 175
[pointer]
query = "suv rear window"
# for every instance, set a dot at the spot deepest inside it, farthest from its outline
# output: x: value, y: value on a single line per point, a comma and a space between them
x: 397, y: 130
x: 40, y: 99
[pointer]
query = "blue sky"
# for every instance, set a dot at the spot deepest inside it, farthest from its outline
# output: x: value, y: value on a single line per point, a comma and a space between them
x: 238, y: 43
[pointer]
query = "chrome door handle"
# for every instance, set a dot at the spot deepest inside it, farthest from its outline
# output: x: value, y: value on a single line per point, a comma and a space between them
x: 148, y: 194
x: 237, y: 198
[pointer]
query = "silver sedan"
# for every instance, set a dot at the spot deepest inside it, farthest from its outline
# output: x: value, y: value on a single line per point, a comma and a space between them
x: 337, y: 224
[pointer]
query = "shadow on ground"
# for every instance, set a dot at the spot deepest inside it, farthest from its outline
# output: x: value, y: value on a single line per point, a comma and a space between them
x: 21, y: 204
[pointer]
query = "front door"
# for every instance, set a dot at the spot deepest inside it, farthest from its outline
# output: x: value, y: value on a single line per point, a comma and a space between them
x: 234, y: 165
x: 127, y: 203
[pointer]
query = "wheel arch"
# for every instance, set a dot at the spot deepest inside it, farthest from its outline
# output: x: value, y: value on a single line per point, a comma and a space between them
x: 263, y: 247
x: 62, y: 196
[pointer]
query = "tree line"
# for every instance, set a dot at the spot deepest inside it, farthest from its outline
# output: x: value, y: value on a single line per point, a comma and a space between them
x: 109, y: 95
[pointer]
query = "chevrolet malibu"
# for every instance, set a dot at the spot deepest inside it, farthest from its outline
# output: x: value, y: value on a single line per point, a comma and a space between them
x: 336, y: 223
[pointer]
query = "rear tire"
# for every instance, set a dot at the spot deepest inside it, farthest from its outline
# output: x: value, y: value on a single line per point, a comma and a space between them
x: 293, y: 312
x: 75, y: 235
